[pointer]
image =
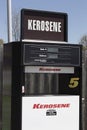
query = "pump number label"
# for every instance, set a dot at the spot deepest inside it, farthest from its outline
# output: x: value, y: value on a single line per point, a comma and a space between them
x: 74, y: 82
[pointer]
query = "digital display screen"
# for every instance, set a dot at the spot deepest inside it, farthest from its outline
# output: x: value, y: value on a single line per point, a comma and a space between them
x: 52, y: 56
x: 51, y: 49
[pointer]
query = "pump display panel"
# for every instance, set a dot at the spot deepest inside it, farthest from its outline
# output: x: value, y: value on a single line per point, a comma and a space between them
x: 52, y: 54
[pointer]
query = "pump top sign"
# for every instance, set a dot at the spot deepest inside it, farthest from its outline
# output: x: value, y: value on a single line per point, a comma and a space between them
x: 43, y: 25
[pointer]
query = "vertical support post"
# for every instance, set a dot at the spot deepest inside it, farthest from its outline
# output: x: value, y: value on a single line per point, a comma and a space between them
x: 9, y: 20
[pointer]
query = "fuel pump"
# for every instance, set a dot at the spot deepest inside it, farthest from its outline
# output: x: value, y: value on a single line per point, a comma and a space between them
x: 41, y: 77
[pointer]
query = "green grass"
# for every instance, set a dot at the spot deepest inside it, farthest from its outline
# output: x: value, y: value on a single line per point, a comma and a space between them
x: 6, y: 113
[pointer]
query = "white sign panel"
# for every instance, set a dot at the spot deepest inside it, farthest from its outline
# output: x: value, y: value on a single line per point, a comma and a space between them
x: 50, y: 113
x: 46, y: 69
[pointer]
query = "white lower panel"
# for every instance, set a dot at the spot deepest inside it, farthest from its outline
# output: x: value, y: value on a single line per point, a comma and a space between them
x: 50, y: 113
